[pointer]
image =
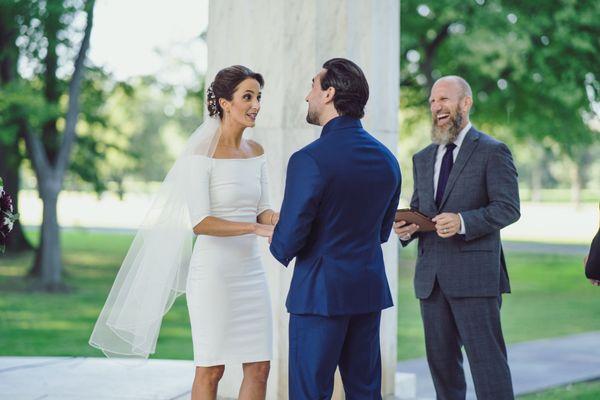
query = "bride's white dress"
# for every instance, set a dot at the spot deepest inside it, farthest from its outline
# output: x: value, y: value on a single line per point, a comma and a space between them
x: 227, y: 293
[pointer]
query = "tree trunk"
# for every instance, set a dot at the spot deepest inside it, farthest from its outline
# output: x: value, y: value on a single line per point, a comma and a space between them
x: 47, y: 265
x: 431, y: 49
x: 50, y: 135
x: 49, y: 253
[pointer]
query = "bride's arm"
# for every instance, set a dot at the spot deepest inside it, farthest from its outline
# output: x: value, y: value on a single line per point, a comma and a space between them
x: 214, y: 226
x: 198, y: 202
x: 265, y: 215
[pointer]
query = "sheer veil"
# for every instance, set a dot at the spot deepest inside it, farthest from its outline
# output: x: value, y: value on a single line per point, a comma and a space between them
x: 154, y: 272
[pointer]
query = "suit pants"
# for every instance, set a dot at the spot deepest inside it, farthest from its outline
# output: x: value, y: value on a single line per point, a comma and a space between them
x: 472, y: 322
x: 318, y: 344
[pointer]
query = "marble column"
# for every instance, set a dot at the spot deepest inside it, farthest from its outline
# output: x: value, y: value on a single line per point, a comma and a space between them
x: 287, y: 42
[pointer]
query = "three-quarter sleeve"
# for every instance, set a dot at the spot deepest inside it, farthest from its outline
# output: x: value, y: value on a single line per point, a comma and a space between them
x: 198, y: 191
x: 265, y: 201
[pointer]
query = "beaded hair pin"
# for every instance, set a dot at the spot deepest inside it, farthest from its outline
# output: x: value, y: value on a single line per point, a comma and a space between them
x: 211, y: 101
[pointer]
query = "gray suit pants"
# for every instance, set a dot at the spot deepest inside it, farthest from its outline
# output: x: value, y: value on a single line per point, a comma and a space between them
x: 472, y: 322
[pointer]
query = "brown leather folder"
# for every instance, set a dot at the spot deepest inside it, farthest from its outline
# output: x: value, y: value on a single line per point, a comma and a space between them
x: 414, y: 217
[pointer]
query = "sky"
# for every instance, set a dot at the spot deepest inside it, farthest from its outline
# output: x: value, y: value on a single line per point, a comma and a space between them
x: 148, y: 37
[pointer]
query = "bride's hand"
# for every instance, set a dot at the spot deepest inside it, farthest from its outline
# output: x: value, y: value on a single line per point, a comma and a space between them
x: 264, y: 230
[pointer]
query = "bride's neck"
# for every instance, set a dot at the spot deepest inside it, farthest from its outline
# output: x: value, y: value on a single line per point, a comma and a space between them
x: 231, y: 134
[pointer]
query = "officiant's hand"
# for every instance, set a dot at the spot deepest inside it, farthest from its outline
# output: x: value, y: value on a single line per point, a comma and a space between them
x: 447, y: 224
x: 404, y: 231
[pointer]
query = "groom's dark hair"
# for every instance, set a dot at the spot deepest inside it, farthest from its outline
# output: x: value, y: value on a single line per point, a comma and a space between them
x: 350, y: 84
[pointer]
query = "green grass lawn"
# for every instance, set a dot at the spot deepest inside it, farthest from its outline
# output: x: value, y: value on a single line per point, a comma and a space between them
x: 550, y: 298
x: 60, y: 324
x: 579, y: 391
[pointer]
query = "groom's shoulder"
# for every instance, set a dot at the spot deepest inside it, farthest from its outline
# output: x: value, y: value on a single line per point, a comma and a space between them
x: 308, y: 153
x: 315, y: 147
x: 385, y: 151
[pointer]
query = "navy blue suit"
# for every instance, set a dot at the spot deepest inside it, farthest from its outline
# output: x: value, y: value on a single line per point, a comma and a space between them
x: 340, y: 198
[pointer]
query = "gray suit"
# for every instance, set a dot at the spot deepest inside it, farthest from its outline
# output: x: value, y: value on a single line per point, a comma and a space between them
x: 460, y: 279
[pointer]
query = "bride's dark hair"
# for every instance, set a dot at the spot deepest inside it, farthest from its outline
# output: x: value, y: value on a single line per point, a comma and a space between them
x: 225, y: 84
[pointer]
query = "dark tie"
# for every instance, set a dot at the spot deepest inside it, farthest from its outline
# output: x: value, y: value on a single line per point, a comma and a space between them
x: 447, y: 163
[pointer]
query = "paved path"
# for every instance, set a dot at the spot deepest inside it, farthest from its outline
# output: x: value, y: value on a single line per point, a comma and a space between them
x: 546, y: 248
x: 509, y: 245
x: 536, y: 366
x: 110, y: 212
x: 77, y: 378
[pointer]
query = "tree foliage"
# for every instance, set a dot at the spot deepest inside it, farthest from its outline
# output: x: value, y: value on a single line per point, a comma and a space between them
x: 532, y: 65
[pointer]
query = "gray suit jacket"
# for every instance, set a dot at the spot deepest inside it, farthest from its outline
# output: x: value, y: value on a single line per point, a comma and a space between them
x: 483, y: 188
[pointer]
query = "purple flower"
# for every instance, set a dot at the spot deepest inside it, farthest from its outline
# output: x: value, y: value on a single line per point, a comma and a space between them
x: 6, y: 203
x: 7, y: 216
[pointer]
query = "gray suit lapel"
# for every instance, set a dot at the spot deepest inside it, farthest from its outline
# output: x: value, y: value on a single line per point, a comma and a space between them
x: 466, y: 149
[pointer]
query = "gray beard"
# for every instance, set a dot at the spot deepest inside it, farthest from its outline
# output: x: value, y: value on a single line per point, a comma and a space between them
x: 443, y: 136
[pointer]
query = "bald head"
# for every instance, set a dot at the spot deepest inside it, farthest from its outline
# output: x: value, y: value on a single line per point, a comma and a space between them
x: 459, y: 84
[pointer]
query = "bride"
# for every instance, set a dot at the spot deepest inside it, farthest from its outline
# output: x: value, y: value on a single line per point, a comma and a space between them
x: 218, y: 189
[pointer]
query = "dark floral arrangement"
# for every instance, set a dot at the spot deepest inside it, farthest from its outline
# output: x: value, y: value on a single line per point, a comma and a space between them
x: 7, y: 216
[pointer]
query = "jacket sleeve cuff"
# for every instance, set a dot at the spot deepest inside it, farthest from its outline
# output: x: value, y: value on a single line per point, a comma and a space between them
x: 283, y: 260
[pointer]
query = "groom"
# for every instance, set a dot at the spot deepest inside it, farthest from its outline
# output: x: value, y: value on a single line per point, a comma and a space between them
x: 340, y: 198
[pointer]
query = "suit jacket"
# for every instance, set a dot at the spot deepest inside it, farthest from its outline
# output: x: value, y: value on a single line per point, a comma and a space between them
x: 340, y: 198
x: 592, y: 267
x: 483, y: 188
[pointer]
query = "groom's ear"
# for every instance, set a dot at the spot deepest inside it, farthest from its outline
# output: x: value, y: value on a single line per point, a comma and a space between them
x: 329, y: 94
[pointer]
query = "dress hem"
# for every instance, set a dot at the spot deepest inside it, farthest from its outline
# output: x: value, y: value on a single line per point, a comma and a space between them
x: 240, y: 360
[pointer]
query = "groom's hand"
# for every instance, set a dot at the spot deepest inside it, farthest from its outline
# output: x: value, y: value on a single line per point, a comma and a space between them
x: 404, y: 231
x: 263, y: 230
x: 447, y: 224
x: 274, y: 218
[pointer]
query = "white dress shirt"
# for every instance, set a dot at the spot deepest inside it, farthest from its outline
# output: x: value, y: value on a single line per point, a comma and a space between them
x: 438, y: 164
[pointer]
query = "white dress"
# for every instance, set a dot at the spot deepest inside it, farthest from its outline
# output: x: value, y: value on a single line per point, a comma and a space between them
x: 227, y: 293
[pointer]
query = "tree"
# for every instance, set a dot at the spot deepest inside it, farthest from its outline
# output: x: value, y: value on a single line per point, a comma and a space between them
x: 531, y: 64
x: 13, y: 15
x: 50, y: 152
x: 42, y: 38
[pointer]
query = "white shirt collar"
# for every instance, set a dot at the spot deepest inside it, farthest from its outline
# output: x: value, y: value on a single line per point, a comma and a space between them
x: 462, y: 134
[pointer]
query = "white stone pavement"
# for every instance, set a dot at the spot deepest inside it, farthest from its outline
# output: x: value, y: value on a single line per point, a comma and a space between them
x: 536, y: 366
